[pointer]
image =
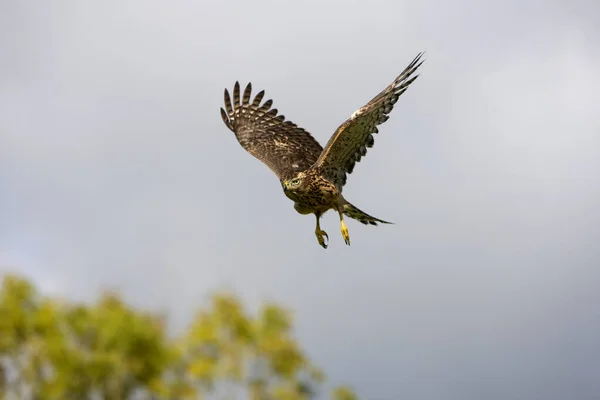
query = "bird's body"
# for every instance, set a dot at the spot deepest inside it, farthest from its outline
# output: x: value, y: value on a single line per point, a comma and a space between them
x: 312, y: 177
x: 314, y: 195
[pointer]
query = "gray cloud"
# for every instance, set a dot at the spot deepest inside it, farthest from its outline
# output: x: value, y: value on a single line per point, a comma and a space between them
x: 116, y: 171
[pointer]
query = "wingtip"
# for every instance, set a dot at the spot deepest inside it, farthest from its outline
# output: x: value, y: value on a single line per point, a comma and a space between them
x: 226, y: 120
x: 237, y: 85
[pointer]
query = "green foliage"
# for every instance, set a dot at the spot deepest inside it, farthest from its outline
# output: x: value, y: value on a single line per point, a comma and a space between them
x: 50, y: 349
x: 343, y: 393
x: 64, y: 350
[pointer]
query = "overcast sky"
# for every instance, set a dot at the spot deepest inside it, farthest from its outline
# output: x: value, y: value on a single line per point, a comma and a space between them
x: 117, y: 172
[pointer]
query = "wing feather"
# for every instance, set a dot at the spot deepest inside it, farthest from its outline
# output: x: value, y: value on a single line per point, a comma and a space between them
x: 350, y: 141
x: 282, y: 145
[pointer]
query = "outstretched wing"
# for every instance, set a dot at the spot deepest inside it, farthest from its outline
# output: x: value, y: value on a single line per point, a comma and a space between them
x: 281, y: 145
x: 350, y: 141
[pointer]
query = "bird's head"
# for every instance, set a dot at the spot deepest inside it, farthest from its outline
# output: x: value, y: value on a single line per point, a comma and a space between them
x: 293, y: 184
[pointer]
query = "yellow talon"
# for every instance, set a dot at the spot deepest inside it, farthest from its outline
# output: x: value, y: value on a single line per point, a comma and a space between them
x: 320, y: 234
x: 345, y: 234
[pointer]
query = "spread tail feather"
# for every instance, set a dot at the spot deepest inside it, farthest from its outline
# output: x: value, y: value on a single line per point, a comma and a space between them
x: 353, y: 212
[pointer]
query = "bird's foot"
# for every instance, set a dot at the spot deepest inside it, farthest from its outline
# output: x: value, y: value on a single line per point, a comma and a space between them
x: 345, y: 234
x: 321, y: 235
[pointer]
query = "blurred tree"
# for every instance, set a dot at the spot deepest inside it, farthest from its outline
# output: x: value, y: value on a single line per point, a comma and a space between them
x: 52, y: 349
x: 56, y: 350
x: 343, y: 393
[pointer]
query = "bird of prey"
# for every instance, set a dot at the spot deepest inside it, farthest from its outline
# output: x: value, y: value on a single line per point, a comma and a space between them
x: 310, y: 175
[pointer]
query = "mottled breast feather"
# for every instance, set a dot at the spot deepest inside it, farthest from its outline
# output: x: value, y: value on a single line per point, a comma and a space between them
x: 350, y: 141
x: 283, y: 146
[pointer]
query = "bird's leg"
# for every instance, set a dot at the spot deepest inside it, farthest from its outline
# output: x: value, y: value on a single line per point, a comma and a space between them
x: 320, y: 233
x: 344, y: 229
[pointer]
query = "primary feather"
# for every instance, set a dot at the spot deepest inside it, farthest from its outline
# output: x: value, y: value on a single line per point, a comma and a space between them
x: 350, y: 141
x: 282, y: 145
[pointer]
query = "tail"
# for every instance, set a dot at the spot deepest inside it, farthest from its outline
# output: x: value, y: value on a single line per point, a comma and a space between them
x: 361, y: 216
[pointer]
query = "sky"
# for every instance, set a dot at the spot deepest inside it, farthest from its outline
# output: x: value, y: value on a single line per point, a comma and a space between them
x: 117, y: 172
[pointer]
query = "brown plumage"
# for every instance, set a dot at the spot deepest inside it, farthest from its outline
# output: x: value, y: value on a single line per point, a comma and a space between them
x: 311, y: 176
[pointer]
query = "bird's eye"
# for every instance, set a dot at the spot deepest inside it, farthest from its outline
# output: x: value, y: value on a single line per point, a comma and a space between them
x: 295, y: 181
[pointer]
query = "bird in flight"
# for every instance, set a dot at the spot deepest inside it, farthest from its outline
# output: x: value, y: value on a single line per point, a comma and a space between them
x: 310, y: 175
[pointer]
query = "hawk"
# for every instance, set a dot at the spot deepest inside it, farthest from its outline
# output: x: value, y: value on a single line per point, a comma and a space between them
x: 310, y: 175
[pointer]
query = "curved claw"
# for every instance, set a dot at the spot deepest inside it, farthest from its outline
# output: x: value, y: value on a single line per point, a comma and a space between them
x: 320, y: 235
